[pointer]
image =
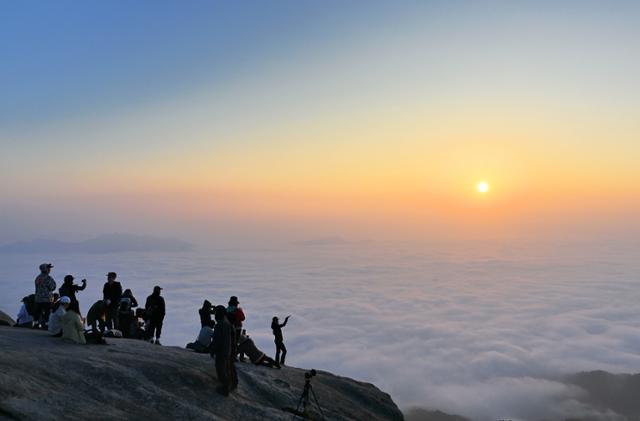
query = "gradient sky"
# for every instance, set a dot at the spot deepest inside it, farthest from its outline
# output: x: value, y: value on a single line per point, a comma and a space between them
x: 363, y: 119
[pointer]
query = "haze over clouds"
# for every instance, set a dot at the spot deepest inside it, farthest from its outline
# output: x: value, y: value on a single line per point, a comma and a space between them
x: 323, y: 158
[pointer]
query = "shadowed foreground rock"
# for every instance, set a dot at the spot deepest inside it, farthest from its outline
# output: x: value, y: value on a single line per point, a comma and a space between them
x: 47, y: 378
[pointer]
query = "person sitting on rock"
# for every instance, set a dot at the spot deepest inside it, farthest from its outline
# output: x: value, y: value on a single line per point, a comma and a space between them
x: 96, y: 317
x: 205, y: 314
x: 125, y: 317
x: 72, y: 325
x: 138, y: 325
x: 223, y: 350
x: 24, y: 319
x: 248, y: 347
x: 203, y: 342
x: 276, y: 327
x: 55, y: 320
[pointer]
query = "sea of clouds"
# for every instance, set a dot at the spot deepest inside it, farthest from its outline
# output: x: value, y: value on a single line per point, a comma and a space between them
x: 484, y: 331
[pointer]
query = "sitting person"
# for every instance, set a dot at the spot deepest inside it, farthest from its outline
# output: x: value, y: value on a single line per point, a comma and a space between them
x: 55, y: 320
x: 125, y: 316
x: 248, y: 347
x: 97, y: 315
x: 138, y: 326
x: 24, y: 319
x: 203, y: 343
x: 72, y: 325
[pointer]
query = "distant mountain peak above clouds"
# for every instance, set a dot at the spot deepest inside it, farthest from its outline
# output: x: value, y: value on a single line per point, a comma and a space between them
x: 107, y: 243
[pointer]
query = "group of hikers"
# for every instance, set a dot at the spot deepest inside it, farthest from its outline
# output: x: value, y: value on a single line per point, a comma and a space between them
x: 222, y: 336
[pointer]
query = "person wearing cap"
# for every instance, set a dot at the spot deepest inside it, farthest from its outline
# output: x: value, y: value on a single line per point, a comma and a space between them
x: 111, y: 293
x: 235, y: 315
x: 69, y: 289
x: 154, y: 311
x: 55, y: 321
x: 45, y: 285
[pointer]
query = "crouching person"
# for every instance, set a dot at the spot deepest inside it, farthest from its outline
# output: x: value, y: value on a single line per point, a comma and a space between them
x: 55, y: 320
x: 223, y: 350
x: 248, y: 347
x: 97, y: 315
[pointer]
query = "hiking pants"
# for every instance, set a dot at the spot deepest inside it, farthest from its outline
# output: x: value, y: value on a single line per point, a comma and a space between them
x: 280, y: 348
x: 155, y: 326
x: 43, y: 310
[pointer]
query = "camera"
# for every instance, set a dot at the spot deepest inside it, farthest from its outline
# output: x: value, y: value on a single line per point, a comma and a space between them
x: 310, y: 374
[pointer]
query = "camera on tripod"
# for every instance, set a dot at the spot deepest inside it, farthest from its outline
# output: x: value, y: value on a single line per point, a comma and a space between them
x: 310, y: 374
x: 303, y: 410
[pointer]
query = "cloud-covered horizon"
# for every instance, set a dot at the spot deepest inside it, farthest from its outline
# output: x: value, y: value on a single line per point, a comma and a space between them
x: 486, y: 333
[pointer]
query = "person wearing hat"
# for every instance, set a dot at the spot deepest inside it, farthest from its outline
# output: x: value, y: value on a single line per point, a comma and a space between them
x: 235, y: 314
x: 55, y: 321
x: 45, y: 285
x: 111, y: 293
x: 69, y: 289
x: 155, y: 311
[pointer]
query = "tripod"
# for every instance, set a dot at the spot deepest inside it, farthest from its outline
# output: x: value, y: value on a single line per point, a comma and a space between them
x: 305, y: 401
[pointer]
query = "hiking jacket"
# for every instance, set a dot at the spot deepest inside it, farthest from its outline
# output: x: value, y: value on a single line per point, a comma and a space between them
x: 237, y: 315
x: 72, y: 327
x: 55, y: 320
x: 277, y: 330
x: 154, y: 307
x: 45, y: 285
x: 112, y: 292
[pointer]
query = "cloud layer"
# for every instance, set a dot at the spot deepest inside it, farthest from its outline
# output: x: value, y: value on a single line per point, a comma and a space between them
x: 485, y: 332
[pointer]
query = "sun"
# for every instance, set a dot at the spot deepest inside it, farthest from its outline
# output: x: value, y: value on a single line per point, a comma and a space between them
x: 483, y: 187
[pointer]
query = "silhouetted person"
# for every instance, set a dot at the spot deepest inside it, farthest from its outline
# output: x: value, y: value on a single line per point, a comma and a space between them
x: 223, y: 350
x: 128, y: 294
x: 247, y: 346
x: 69, y: 289
x: 125, y: 316
x: 203, y: 343
x: 97, y: 315
x: 235, y: 315
x: 155, y: 311
x: 45, y: 285
x: 111, y: 293
x: 278, y: 338
x: 205, y: 314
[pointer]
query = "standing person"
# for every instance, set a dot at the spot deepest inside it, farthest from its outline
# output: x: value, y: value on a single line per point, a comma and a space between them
x: 45, y: 285
x: 111, y: 293
x: 69, y: 289
x: 55, y: 320
x: 223, y: 350
x: 205, y: 314
x: 279, y: 339
x: 155, y: 311
x: 235, y: 314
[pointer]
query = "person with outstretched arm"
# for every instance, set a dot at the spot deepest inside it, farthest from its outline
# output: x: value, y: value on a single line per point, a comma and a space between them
x: 279, y: 339
x: 69, y: 289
